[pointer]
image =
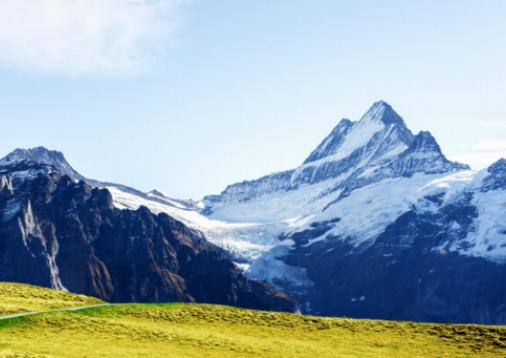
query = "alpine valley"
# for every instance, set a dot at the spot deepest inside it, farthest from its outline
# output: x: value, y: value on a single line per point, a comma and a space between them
x: 375, y: 223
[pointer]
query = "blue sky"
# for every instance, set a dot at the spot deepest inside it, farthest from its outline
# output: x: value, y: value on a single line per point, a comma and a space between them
x: 189, y: 96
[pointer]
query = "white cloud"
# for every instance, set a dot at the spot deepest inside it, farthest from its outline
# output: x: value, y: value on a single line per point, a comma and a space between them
x: 80, y: 37
x: 484, y: 153
x: 479, y: 160
x: 490, y: 145
x: 494, y: 125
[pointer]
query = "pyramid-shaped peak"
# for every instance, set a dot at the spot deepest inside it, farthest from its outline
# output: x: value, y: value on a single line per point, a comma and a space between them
x: 349, y: 136
x: 381, y: 111
x: 425, y: 142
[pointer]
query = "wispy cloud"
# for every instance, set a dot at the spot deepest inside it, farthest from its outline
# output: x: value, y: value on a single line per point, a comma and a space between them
x: 484, y: 153
x: 80, y: 37
x: 490, y: 145
x: 479, y: 160
x: 494, y: 125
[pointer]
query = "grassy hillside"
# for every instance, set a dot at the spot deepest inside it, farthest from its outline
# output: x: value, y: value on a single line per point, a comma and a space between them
x: 15, y: 297
x: 182, y: 330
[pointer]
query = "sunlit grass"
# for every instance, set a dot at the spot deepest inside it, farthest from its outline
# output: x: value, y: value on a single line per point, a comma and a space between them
x: 16, y: 298
x: 185, y: 330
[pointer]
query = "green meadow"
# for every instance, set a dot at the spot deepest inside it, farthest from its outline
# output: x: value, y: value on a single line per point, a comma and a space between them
x: 190, y: 330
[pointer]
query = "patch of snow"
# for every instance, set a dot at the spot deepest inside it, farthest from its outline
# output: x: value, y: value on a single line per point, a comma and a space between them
x: 286, y: 206
x: 366, y: 213
x: 242, y: 266
x: 360, y: 134
x: 54, y: 270
x: 488, y: 239
x: 451, y: 185
x: 269, y: 267
x: 369, y: 171
x: 454, y: 226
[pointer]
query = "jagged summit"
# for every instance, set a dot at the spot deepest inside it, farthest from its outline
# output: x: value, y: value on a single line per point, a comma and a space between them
x: 379, y: 123
x: 383, y: 112
x: 41, y: 155
x: 353, y: 155
x: 424, y: 155
x: 425, y: 142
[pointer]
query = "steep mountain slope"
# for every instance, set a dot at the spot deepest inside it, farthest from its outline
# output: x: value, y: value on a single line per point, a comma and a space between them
x: 61, y: 233
x: 428, y: 262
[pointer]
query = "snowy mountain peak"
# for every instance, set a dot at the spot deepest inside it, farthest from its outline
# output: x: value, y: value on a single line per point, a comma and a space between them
x: 41, y: 155
x: 424, y: 156
x: 379, y: 123
x: 381, y: 111
x: 377, y: 147
x: 425, y: 142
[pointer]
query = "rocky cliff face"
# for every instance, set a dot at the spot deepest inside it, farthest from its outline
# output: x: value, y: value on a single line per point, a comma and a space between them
x: 409, y: 272
x: 61, y: 233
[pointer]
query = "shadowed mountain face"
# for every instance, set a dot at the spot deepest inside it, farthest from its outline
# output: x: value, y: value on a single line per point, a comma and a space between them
x: 60, y: 233
x: 409, y: 272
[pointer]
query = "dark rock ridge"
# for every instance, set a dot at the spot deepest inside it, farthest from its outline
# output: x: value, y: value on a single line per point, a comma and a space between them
x: 56, y: 159
x: 61, y: 233
x: 43, y: 156
x: 408, y: 273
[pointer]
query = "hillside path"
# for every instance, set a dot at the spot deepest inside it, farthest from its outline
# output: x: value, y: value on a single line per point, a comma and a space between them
x: 67, y: 309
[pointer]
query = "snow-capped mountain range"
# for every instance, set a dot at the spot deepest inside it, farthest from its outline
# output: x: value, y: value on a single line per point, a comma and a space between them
x: 376, y: 222
x: 355, y: 154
